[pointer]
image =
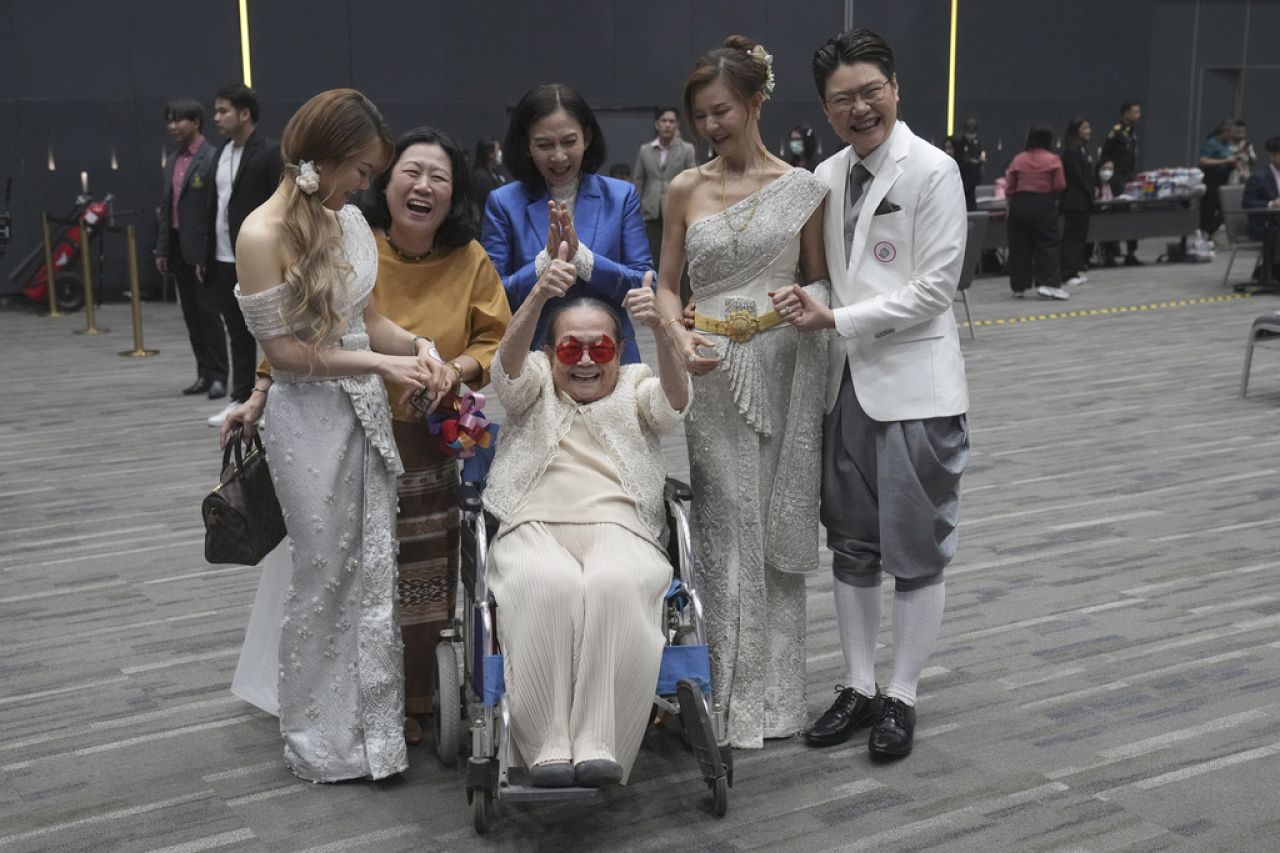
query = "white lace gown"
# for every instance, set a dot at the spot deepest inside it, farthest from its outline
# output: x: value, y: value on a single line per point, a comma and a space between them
x: 334, y: 464
x: 755, y: 438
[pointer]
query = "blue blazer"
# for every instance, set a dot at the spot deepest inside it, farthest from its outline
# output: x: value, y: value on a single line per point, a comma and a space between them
x: 607, y: 219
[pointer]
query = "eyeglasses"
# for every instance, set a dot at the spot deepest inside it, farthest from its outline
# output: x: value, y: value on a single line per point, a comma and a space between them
x: 872, y: 94
x: 569, y: 351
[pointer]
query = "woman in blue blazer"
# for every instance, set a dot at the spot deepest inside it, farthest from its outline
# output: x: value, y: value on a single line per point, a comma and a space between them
x: 554, y: 147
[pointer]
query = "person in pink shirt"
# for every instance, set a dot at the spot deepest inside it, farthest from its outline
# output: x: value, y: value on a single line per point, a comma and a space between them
x: 1033, y: 181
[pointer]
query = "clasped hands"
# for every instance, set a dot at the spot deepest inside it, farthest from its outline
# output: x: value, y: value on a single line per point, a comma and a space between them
x: 560, y: 229
x: 427, y: 377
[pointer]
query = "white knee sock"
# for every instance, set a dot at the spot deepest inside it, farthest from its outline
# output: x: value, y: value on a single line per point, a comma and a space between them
x: 917, y: 616
x: 858, y: 615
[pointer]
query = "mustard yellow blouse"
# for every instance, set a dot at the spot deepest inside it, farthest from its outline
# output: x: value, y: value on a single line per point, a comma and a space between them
x: 452, y: 296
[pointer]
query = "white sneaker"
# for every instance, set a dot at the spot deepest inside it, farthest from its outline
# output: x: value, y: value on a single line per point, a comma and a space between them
x: 216, y: 420
x: 1052, y: 292
x: 1075, y: 281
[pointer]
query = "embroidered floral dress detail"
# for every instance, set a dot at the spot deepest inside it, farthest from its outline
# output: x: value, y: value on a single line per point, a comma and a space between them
x: 334, y: 463
x: 755, y: 439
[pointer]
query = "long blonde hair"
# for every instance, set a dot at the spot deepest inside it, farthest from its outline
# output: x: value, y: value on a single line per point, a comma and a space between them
x: 328, y: 130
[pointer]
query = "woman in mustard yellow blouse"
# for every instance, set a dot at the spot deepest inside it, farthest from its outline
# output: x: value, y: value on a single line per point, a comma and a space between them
x: 435, y: 280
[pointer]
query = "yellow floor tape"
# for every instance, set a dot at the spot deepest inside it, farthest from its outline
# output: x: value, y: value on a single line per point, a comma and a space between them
x: 1124, y: 309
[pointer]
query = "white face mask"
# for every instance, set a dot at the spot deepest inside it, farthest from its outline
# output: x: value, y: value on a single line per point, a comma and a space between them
x: 1106, y: 174
x: 796, y: 146
x: 497, y: 158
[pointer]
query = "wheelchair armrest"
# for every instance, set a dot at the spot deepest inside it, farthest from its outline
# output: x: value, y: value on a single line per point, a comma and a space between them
x: 469, y: 498
x: 677, y: 490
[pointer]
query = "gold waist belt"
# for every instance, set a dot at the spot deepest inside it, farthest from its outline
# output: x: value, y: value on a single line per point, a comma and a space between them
x: 739, y: 325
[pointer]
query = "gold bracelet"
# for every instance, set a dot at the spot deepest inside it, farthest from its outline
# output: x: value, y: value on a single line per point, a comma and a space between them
x: 678, y: 321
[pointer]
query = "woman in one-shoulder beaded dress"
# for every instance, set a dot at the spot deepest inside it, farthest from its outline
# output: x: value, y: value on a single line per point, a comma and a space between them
x: 749, y: 224
x: 306, y: 263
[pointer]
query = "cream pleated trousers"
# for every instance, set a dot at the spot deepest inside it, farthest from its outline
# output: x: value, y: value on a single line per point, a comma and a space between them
x: 580, y: 623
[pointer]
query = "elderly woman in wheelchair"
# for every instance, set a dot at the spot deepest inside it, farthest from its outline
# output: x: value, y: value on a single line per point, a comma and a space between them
x: 577, y: 568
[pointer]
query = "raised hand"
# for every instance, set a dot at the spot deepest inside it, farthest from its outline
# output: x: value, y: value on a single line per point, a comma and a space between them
x: 553, y: 228
x: 557, y: 278
x: 642, y: 305
x: 567, y: 232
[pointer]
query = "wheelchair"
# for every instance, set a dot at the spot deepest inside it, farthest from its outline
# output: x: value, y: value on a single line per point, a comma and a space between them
x: 471, y: 709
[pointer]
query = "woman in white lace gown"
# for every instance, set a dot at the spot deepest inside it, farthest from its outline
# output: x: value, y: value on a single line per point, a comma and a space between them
x: 748, y: 224
x: 306, y: 263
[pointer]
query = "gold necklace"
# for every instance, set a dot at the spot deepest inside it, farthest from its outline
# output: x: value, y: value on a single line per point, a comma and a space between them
x: 386, y: 232
x: 728, y: 220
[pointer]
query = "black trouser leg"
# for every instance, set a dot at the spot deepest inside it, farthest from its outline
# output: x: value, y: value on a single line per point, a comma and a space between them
x: 1131, y: 247
x: 1019, y: 261
x: 204, y: 324
x: 1046, y: 248
x: 221, y: 281
x: 1075, y: 228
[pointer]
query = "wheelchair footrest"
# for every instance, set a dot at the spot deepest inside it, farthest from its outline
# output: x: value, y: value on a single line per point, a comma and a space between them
x: 518, y: 789
x: 701, y: 736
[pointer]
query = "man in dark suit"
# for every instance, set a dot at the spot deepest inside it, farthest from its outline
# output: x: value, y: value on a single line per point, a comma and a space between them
x: 1262, y: 191
x: 247, y: 171
x: 180, y: 246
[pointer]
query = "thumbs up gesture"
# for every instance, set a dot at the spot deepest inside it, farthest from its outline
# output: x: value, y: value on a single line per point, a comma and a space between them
x: 557, y: 278
x: 642, y: 305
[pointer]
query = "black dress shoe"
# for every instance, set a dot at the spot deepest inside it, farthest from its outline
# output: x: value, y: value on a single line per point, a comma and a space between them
x: 217, y: 390
x: 1132, y: 261
x: 850, y: 711
x: 198, y: 387
x: 892, y: 734
x: 1108, y: 262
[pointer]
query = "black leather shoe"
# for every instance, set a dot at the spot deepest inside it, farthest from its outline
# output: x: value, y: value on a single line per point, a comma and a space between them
x: 892, y: 734
x: 198, y: 387
x: 1132, y: 261
x: 217, y: 390
x: 850, y: 711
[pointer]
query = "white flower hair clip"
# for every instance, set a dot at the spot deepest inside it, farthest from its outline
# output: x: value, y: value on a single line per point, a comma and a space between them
x: 308, y: 179
x: 759, y: 53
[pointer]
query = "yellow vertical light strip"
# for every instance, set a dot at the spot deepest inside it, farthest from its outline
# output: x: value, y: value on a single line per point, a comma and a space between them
x: 244, y: 42
x: 951, y: 73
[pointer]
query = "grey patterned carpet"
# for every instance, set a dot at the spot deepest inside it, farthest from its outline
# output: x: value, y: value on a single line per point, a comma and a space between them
x: 1106, y: 678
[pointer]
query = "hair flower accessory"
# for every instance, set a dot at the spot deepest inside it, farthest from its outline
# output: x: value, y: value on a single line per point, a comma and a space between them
x: 767, y: 58
x: 308, y: 179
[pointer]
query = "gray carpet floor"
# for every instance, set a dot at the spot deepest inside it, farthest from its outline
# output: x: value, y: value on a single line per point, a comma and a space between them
x: 1107, y: 676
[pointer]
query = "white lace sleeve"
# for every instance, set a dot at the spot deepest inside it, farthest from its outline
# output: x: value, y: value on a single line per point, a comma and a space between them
x: 584, y: 262
x: 655, y: 408
x: 519, y: 394
x: 264, y: 312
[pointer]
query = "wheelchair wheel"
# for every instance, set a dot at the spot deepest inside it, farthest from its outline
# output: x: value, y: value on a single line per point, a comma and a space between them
x: 482, y: 815
x: 446, y: 702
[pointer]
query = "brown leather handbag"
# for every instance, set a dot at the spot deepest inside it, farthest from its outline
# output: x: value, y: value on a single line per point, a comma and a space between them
x: 242, y: 518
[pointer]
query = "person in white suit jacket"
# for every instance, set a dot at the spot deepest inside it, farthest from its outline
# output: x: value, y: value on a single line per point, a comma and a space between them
x: 895, y: 436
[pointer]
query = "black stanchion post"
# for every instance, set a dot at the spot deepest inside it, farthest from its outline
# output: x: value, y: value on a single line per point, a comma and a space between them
x: 135, y: 295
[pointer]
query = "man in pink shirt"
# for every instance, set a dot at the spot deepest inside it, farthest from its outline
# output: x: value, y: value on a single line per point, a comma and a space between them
x: 182, y: 241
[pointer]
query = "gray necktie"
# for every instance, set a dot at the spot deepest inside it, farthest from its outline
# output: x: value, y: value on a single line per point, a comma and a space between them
x: 853, y: 192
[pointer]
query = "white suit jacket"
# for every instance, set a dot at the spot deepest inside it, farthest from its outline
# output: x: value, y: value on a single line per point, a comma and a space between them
x: 892, y: 300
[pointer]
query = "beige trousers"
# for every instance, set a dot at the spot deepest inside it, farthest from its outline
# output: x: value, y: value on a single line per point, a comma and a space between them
x: 580, y: 623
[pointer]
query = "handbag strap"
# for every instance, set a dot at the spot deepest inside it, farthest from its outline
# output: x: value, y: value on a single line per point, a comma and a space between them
x: 235, y: 441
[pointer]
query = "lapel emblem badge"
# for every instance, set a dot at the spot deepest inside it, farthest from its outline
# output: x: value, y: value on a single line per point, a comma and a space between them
x: 884, y: 252
x: 197, y: 183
